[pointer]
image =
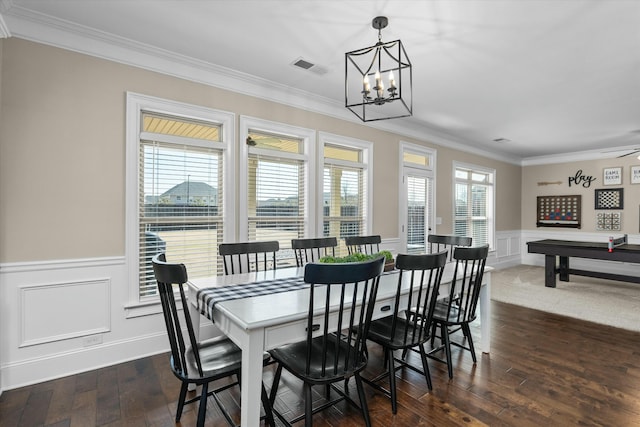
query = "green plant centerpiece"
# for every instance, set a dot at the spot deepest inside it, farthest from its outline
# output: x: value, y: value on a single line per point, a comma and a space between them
x: 360, y: 257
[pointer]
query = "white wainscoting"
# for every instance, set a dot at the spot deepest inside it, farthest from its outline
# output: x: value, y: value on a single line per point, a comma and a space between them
x: 505, y: 254
x: 507, y: 251
x: 63, y: 317
x: 42, y: 322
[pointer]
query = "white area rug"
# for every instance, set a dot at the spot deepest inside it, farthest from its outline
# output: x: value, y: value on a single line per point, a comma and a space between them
x: 601, y: 301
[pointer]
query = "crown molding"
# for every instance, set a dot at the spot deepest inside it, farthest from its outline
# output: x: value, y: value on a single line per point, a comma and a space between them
x: 610, y: 152
x: 4, y: 30
x: 44, y: 29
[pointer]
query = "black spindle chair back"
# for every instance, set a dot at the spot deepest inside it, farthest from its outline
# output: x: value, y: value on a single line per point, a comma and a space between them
x: 367, y: 245
x: 311, y: 250
x: 245, y: 257
x: 446, y: 242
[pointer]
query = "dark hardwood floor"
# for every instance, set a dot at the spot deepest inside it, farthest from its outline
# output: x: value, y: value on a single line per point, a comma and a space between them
x: 543, y: 370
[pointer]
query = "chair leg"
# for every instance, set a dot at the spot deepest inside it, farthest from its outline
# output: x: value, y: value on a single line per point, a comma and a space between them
x: 363, y: 401
x: 275, y: 384
x: 425, y: 367
x: 447, y: 348
x: 467, y: 333
x: 181, y: 399
x: 404, y: 354
x: 202, y: 409
x: 308, y: 408
x: 433, y: 333
x: 268, y: 410
x: 392, y: 381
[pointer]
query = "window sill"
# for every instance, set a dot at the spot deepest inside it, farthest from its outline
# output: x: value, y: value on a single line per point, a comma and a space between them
x: 145, y: 308
x: 141, y: 309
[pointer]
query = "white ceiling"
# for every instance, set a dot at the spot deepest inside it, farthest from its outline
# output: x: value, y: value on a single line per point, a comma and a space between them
x: 552, y: 77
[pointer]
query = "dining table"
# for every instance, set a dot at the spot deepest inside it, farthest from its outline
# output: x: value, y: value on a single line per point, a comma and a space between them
x: 262, y: 310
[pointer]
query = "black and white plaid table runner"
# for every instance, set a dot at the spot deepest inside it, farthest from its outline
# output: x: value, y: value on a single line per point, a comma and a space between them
x: 207, y: 298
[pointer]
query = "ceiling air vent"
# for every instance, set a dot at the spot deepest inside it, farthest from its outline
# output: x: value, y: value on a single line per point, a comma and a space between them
x: 303, y: 64
x: 306, y: 65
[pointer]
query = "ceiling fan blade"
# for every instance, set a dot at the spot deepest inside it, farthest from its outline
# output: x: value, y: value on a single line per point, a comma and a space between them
x: 631, y: 153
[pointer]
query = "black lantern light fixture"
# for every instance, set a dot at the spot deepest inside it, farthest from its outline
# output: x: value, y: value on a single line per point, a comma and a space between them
x: 378, y: 79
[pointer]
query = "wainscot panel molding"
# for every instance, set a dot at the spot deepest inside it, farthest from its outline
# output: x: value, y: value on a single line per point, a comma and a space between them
x: 42, y: 322
x: 63, y: 317
x: 507, y: 250
x: 579, y: 263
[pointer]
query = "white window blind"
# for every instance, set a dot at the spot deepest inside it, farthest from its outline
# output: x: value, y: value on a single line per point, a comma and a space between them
x: 180, y: 196
x: 473, y: 210
x: 344, y: 191
x: 276, y: 191
x: 417, y: 200
x: 418, y: 212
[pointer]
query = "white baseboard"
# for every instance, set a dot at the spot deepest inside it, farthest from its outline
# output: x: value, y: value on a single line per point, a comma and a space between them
x: 53, y: 366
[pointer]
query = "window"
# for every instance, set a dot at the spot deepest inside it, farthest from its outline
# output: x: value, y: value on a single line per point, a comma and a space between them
x: 346, y: 174
x: 176, y: 187
x: 275, y: 197
x: 474, y: 203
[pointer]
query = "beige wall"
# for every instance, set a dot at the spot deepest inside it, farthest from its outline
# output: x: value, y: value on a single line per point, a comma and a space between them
x: 532, y: 175
x: 62, y: 152
x: 507, y: 188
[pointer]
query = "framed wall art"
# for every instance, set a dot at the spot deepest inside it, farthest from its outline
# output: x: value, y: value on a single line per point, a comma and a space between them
x: 609, y: 221
x: 609, y: 198
x: 612, y: 176
x: 635, y: 174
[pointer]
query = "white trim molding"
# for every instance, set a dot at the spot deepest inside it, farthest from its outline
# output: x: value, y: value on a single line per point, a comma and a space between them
x: 62, y: 317
x: 49, y: 30
x: 4, y: 30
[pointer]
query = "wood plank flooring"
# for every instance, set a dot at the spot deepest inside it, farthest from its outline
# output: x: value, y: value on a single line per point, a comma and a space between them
x: 543, y: 370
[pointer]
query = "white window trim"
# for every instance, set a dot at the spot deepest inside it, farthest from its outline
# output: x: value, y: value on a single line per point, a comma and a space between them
x: 462, y: 165
x: 308, y: 137
x: 136, y: 104
x: 429, y: 171
x: 367, y: 165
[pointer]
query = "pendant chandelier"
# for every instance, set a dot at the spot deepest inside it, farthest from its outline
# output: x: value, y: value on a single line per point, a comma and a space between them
x: 378, y: 79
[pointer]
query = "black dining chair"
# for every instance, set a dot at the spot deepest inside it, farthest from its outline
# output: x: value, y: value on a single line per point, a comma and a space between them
x: 459, y: 309
x: 367, y: 245
x: 447, y: 242
x: 311, y: 250
x: 245, y: 257
x: 192, y: 362
x: 421, y: 275
x: 335, y: 345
